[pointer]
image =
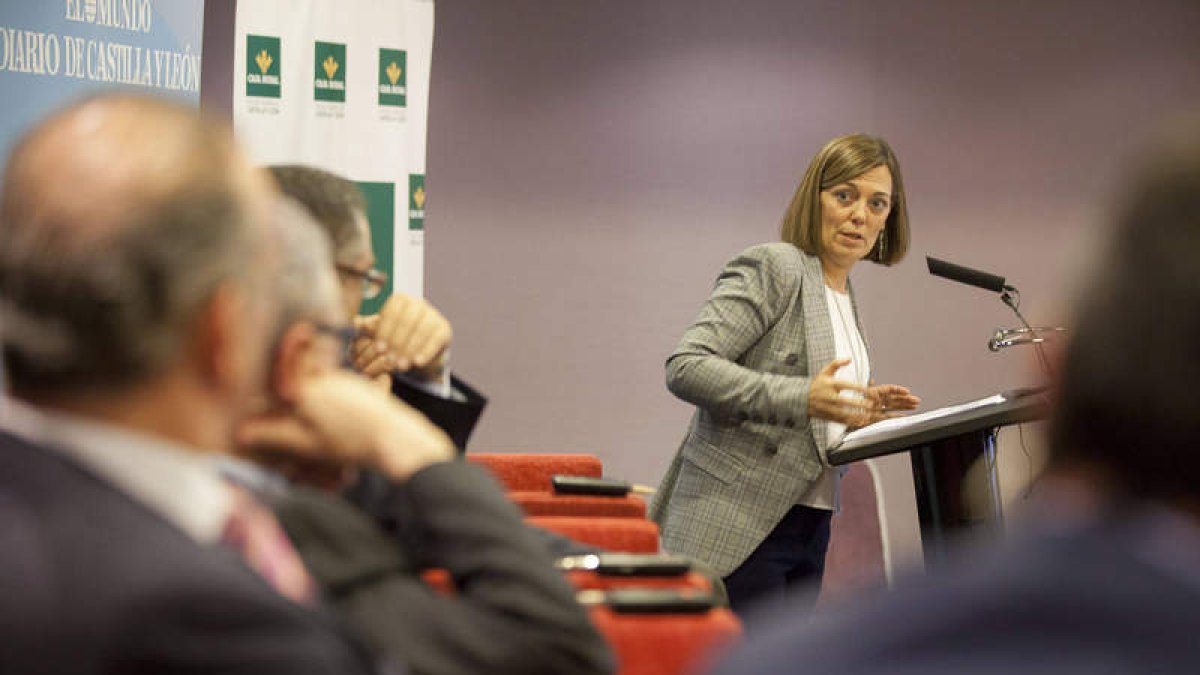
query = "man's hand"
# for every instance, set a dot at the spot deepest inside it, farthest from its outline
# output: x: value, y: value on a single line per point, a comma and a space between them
x: 826, y: 402
x: 408, y: 334
x: 344, y: 420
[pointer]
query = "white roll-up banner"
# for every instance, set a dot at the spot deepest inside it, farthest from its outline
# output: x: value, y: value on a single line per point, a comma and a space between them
x: 343, y: 85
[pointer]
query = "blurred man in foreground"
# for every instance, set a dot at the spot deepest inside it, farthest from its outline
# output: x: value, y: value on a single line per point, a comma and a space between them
x: 404, y: 347
x: 512, y: 613
x: 137, y: 305
x: 1111, y: 581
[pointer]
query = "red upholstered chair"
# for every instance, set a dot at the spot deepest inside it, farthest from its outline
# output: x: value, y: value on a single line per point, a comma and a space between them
x: 439, y: 580
x: 627, y: 535
x: 531, y: 471
x: 854, y: 563
x: 666, y: 644
x: 539, y: 503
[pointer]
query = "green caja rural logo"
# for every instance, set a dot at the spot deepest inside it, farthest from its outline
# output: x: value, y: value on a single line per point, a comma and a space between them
x: 262, y: 66
x: 329, y: 82
x: 393, y: 75
x: 381, y: 215
x: 416, y: 201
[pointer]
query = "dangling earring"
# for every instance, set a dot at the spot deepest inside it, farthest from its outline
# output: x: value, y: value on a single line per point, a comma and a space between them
x: 882, y: 244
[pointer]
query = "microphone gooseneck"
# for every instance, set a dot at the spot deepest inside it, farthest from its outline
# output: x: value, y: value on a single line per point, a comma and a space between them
x: 995, y: 283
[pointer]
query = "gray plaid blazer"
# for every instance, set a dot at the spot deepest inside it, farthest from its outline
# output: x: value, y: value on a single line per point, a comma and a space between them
x: 750, y: 452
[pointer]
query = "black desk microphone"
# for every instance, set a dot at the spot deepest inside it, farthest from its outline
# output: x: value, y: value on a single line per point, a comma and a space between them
x: 988, y: 282
x: 966, y: 275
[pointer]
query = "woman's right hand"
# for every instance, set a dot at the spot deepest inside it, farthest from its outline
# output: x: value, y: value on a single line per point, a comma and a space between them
x: 826, y: 402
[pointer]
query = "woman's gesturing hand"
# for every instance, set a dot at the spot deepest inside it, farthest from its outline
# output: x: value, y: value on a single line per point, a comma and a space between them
x: 826, y: 402
x: 893, y: 397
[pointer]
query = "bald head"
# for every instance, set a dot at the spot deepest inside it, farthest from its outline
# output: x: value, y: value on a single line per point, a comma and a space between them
x: 96, y: 168
x: 119, y: 216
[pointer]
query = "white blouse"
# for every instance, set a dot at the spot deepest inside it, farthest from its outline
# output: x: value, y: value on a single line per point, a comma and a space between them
x: 848, y: 342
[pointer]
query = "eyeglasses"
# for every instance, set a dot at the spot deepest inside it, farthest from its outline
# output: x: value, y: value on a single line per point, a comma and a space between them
x: 373, y: 281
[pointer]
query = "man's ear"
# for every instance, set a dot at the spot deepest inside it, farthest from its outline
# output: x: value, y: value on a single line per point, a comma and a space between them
x: 220, y: 358
x: 291, y: 362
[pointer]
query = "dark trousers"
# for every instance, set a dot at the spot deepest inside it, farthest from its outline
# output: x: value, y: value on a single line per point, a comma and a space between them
x: 788, y: 563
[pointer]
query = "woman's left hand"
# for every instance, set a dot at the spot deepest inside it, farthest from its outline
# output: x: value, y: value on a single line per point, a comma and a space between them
x: 892, y: 399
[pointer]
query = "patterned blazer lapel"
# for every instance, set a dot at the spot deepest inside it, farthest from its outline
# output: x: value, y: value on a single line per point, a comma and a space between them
x: 818, y: 332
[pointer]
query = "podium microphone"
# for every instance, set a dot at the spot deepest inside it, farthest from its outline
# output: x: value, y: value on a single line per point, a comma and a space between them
x: 966, y: 275
x: 989, y: 282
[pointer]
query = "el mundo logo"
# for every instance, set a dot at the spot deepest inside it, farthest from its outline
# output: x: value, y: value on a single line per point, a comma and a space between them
x: 416, y: 201
x: 329, y: 83
x: 393, y: 72
x: 262, y: 66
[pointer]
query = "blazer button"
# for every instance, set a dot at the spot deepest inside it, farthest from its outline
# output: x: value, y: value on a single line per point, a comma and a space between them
x: 789, y: 423
x: 791, y: 359
x: 772, y: 449
x: 772, y: 420
x: 743, y: 417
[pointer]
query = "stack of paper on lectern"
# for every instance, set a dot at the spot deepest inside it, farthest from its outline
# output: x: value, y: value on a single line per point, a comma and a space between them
x: 899, y: 423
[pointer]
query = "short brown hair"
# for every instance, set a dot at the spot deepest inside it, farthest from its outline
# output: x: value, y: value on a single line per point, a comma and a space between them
x: 334, y: 202
x: 842, y: 159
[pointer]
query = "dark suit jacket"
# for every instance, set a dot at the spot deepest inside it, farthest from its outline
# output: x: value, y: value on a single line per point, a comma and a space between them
x: 513, y: 613
x: 456, y: 418
x: 93, y: 582
x: 1084, y: 602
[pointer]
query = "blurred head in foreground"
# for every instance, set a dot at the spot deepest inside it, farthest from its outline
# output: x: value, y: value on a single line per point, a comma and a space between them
x: 135, y: 257
x: 1129, y: 406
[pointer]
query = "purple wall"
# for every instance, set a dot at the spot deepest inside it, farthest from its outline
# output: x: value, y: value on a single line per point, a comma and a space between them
x: 216, y: 74
x: 592, y: 165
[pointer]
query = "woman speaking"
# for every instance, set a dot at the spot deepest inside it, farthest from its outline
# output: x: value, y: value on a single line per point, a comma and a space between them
x: 778, y: 369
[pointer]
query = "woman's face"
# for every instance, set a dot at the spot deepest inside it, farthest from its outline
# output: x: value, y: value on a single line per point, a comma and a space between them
x: 853, y: 214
